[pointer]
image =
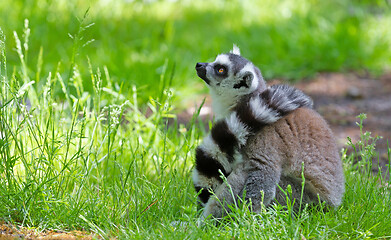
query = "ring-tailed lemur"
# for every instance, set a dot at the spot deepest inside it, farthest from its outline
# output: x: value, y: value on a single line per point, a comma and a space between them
x: 243, y: 145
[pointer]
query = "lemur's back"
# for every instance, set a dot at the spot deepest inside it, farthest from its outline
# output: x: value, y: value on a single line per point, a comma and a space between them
x: 301, y: 136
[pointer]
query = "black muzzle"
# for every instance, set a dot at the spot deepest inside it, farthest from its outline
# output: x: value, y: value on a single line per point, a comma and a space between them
x: 201, y: 71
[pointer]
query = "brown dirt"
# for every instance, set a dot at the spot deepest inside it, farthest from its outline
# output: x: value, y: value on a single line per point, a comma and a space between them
x: 11, y: 232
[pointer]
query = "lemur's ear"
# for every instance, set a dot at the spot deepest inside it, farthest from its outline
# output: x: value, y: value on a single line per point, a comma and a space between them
x: 235, y: 50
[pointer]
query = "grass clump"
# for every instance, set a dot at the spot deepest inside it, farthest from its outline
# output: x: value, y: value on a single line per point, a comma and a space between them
x: 79, y: 151
x: 88, y: 159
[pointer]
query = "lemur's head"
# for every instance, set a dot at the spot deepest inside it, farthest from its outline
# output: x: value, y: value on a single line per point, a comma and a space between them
x: 229, y: 77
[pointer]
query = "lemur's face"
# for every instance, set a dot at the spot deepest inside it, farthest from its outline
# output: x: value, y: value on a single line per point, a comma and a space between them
x: 230, y: 74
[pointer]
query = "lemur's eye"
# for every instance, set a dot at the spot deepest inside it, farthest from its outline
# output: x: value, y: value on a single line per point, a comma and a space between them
x: 220, y: 70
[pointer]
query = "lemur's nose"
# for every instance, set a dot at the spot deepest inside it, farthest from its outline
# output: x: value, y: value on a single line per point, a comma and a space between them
x: 200, y: 65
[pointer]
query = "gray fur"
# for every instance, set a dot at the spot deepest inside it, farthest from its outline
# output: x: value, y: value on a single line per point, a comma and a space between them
x: 238, y: 62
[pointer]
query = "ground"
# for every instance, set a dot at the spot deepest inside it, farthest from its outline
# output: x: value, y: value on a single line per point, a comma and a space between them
x: 11, y: 232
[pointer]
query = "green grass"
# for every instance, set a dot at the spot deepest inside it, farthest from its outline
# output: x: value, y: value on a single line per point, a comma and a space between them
x: 77, y: 150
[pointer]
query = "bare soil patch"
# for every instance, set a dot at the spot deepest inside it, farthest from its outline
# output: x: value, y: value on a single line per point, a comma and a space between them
x: 11, y: 232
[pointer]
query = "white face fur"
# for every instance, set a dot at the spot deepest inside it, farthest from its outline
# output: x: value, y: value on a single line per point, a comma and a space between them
x: 229, y: 77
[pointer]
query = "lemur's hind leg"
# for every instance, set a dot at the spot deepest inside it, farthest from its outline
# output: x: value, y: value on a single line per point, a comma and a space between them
x: 299, y: 196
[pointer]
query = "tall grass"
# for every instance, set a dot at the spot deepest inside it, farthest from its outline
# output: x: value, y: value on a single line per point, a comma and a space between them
x: 79, y: 151
x: 90, y: 158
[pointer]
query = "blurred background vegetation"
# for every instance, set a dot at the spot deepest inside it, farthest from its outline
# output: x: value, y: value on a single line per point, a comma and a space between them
x: 78, y: 69
x: 138, y: 40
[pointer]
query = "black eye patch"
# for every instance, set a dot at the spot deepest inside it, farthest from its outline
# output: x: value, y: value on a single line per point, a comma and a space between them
x: 221, y: 70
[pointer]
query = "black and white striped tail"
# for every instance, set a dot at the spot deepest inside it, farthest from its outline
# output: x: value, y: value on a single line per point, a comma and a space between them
x: 220, y: 150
